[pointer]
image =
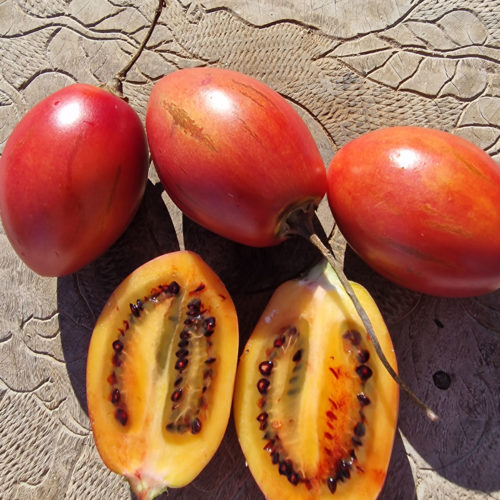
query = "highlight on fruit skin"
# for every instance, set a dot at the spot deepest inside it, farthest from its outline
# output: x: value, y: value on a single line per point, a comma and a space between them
x: 160, y: 372
x: 315, y: 410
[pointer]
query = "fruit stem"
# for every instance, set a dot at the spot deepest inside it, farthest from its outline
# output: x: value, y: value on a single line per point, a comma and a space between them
x: 116, y: 84
x: 300, y: 223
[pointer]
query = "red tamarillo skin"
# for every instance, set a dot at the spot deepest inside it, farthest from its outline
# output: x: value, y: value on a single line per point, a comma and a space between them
x: 422, y: 207
x: 232, y: 154
x: 72, y: 175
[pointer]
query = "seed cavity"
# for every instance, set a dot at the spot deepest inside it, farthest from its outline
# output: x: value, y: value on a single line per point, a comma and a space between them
x: 194, y: 360
x: 285, y: 346
x: 188, y: 391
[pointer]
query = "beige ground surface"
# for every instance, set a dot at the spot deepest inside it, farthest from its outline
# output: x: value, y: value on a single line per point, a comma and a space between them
x: 349, y: 67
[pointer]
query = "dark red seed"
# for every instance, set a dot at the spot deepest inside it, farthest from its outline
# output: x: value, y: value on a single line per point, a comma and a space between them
x: 194, y: 304
x: 200, y: 287
x: 208, y: 333
x: 181, y: 364
x: 173, y: 288
x: 121, y: 416
x: 297, y: 356
x: 331, y: 482
x: 353, y: 336
x: 356, y: 442
x: 185, y: 335
x: 364, y: 372
x: 116, y: 360
x: 363, y: 356
x: 171, y: 427
x: 182, y: 353
x: 136, y: 308
x: 178, y: 381
x: 285, y: 468
x: 263, y: 385
x: 275, y: 457
x: 118, y: 346
x: 176, y: 395
x: 343, y: 470
x: 188, y: 321
x: 209, y: 361
x: 294, y: 478
x: 360, y: 429
x: 363, y: 399
x: 279, y: 341
x: 183, y: 343
x: 262, y: 416
x: 210, y: 323
x: 266, y: 368
x: 196, y: 426
x: 115, y: 396
x: 269, y: 446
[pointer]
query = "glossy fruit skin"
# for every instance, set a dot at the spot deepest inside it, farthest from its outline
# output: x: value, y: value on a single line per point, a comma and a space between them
x: 315, y: 417
x: 143, y: 450
x: 232, y: 153
x: 72, y: 175
x: 421, y: 207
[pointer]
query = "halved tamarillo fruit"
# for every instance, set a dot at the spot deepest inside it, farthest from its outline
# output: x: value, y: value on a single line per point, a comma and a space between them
x: 315, y: 411
x: 160, y: 372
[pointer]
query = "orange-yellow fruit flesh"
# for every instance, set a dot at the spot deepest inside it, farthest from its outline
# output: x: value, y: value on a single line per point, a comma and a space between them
x: 142, y: 450
x: 315, y: 424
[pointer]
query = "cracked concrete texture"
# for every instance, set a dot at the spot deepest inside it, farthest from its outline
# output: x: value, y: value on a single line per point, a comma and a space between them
x: 423, y: 63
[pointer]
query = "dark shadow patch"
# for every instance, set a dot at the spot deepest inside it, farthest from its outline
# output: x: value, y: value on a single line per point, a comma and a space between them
x: 82, y: 295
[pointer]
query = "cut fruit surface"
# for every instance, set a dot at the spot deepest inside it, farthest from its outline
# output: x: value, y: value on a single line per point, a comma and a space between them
x: 315, y: 410
x: 160, y: 372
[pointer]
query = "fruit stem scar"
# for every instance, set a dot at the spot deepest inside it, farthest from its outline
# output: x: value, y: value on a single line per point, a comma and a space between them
x: 301, y: 223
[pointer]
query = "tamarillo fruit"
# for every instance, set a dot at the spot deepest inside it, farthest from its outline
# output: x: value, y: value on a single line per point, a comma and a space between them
x: 72, y: 177
x: 421, y: 207
x: 233, y: 154
x: 314, y: 408
x: 160, y: 372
